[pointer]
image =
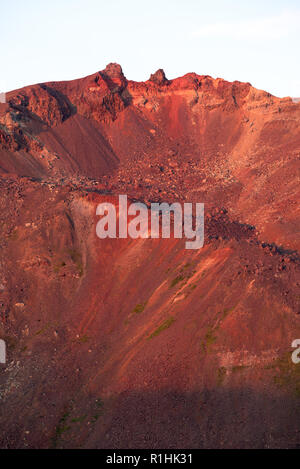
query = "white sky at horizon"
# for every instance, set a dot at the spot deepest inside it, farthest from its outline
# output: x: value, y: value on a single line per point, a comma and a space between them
x: 255, y: 42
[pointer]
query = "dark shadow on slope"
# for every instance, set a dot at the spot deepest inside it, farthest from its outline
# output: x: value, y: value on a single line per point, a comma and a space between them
x: 66, y: 108
x: 218, y: 418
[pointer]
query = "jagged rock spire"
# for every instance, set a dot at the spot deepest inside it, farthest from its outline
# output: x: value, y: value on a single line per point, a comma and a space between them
x: 113, y: 70
x: 159, y: 77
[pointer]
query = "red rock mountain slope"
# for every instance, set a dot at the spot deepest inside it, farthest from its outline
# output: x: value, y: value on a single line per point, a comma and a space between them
x: 140, y: 343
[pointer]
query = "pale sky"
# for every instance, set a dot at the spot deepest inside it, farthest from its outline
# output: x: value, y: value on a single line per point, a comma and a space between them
x: 256, y: 42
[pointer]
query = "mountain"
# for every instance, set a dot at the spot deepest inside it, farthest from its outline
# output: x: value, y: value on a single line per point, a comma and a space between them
x: 122, y: 343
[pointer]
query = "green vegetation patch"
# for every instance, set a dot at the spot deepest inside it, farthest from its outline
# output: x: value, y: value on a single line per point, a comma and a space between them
x: 209, y: 338
x: 139, y: 308
x: 58, y: 266
x: 73, y: 423
x: 287, y: 374
x: 60, y: 429
x: 165, y: 325
x: 221, y: 375
x: 183, y: 274
x: 77, y: 260
x: 78, y: 419
x: 99, y: 410
x: 237, y: 368
x: 83, y: 339
x: 176, y: 280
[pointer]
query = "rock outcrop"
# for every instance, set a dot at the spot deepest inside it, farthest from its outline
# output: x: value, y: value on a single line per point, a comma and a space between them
x: 159, y: 77
x: 121, y: 343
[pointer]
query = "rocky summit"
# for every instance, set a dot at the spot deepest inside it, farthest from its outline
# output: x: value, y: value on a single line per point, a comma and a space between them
x: 121, y: 343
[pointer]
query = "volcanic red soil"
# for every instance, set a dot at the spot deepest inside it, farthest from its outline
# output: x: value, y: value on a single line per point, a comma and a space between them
x: 122, y: 343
